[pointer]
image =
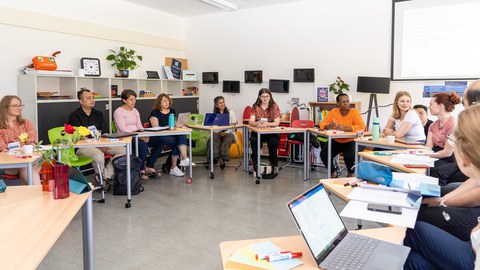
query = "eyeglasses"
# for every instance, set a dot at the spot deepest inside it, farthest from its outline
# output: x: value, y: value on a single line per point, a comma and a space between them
x: 19, y: 106
x: 451, y: 140
x: 265, y: 96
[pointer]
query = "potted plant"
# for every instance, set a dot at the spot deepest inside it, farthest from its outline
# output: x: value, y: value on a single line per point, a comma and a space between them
x: 124, y: 60
x: 338, y: 87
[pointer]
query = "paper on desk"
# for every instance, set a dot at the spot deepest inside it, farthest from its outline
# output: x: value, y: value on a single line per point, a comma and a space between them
x: 413, y: 159
x: 415, y: 178
x: 358, y: 210
x: 385, y: 197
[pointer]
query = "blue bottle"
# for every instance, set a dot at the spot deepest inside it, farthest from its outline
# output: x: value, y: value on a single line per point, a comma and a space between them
x: 376, y: 129
x: 171, y: 121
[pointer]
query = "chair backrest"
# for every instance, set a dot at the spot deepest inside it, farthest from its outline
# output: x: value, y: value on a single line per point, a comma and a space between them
x: 196, y: 119
x: 302, y: 124
x: 246, y: 112
x: 114, y: 127
x: 294, y: 114
x: 59, y: 133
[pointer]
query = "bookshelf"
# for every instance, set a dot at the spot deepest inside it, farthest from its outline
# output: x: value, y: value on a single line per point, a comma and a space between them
x: 317, y: 107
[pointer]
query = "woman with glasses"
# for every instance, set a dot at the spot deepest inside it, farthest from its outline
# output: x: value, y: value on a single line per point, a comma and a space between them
x: 448, y: 243
x: 265, y: 114
x: 347, y: 119
x: 404, y: 121
x: 12, y: 125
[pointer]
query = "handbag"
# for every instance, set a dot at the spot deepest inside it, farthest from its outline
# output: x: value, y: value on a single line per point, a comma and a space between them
x: 375, y: 172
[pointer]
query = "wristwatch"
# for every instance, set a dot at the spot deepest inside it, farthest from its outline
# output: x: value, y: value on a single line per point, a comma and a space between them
x: 442, y: 204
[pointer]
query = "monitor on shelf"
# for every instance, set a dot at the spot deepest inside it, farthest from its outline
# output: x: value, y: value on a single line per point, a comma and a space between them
x: 231, y: 86
x: 210, y: 77
x: 375, y: 85
x: 304, y: 75
x: 253, y: 76
x: 279, y: 86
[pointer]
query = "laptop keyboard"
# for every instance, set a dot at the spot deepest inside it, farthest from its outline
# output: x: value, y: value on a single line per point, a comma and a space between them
x: 352, y: 253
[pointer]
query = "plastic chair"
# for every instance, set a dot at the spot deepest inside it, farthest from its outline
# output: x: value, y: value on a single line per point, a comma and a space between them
x: 200, y: 137
x: 290, y: 142
x: 246, y: 114
x: 58, y: 133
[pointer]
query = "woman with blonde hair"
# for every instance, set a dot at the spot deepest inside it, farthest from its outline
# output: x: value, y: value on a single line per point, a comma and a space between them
x: 12, y: 125
x: 404, y: 121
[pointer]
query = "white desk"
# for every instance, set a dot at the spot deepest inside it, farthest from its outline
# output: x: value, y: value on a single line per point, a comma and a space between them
x: 12, y: 161
x: 32, y: 221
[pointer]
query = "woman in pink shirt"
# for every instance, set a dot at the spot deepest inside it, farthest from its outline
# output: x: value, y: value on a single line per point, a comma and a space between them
x: 442, y: 106
x: 12, y: 125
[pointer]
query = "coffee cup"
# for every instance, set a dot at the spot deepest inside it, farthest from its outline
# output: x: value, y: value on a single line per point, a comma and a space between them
x: 28, y: 149
x: 390, y: 139
x: 360, y: 134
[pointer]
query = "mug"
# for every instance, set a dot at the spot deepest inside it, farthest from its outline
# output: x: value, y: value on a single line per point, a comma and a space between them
x: 28, y: 149
x: 390, y: 139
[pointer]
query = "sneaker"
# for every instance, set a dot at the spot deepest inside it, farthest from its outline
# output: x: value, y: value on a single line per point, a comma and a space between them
x: 176, y: 172
x: 185, y: 162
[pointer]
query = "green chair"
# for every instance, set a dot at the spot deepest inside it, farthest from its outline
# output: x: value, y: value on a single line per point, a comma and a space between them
x: 199, y: 136
x: 68, y: 155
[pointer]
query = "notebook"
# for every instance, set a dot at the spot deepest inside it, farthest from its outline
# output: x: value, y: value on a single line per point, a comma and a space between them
x: 119, y: 135
x: 182, y: 120
x: 331, y: 245
x: 409, y: 141
x: 216, y: 119
x: 155, y: 128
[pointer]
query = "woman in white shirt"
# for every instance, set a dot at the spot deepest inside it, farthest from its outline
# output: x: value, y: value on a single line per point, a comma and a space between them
x: 404, y: 121
x: 224, y: 138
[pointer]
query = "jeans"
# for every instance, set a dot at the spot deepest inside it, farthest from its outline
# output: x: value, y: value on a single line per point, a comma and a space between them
x: 158, y: 144
x: 433, y: 248
x: 448, y: 173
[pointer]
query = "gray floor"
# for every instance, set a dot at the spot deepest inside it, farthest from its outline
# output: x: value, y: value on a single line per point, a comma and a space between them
x: 174, y: 225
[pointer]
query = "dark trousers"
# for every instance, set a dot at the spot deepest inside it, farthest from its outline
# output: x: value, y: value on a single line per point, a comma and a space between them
x: 159, y: 142
x: 448, y: 173
x: 458, y: 221
x: 272, y: 140
x: 142, y: 151
x: 348, y: 150
x: 433, y: 248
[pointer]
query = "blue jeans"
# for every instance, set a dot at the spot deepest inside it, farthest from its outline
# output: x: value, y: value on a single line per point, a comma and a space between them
x: 434, y: 248
x: 142, y: 151
x: 160, y: 141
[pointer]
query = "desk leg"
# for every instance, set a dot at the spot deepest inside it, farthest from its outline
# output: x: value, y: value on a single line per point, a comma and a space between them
x: 259, y: 147
x: 306, y: 163
x: 329, y: 162
x: 30, y: 173
x: 129, y: 179
x: 245, y: 149
x: 136, y: 144
x: 211, y: 155
x: 356, y: 159
x: 87, y: 234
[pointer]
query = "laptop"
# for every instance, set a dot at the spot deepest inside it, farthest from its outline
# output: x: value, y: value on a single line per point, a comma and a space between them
x: 331, y: 245
x: 216, y: 119
x: 410, y: 141
x: 182, y: 120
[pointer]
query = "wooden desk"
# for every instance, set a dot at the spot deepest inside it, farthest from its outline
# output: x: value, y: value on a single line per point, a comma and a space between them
x: 330, y: 136
x: 211, y: 129
x: 340, y: 191
x: 382, y: 143
x: 386, y: 161
x: 167, y: 132
x: 12, y: 161
x: 32, y: 221
x: 277, y: 130
x: 297, y: 243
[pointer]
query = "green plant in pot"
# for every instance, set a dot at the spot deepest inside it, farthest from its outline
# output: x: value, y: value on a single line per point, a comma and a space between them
x: 338, y: 87
x: 124, y: 60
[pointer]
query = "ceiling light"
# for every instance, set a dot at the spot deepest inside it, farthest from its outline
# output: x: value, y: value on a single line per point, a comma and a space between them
x: 221, y: 4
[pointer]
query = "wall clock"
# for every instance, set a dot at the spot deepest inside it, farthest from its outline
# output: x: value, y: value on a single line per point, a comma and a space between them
x: 91, y: 66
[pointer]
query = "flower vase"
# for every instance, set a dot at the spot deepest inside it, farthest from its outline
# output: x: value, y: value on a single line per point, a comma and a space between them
x: 60, y: 174
x: 48, y: 182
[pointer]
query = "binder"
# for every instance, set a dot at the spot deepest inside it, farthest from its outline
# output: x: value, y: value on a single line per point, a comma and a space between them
x: 77, y: 183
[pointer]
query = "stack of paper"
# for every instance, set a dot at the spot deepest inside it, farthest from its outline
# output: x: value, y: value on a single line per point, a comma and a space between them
x: 244, y: 258
x: 413, y: 159
x: 427, y: 185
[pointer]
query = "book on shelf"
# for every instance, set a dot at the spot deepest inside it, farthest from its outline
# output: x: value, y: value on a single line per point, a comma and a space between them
x: 176, y: 69
x: 168, y: 72
x: 58, y: 72
x: 322, y: 94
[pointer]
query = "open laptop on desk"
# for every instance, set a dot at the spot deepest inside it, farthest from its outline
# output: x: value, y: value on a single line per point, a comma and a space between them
x: 410, y: 141
x: 331, y: 245
x: 182, y: 120
x: 216, y: 119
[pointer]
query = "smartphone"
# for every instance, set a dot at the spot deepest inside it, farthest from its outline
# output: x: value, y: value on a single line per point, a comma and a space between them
x: 385, y: 208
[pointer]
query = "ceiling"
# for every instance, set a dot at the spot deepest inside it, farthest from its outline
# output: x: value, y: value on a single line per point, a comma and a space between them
x: 190, y: 8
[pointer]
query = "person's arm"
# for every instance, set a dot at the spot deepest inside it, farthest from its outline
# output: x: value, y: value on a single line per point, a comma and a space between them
x: 3, y: 143
x: 232, y: 121
x: 275, y: 123
x: 154, y: 121
x: 327, y: 121
x: 403, y: 129
x: 276, y: 116
x: 119, y: 119
x: 388, y: 130
x: 429, y: 143
x: 138, y: 121
x: 446, y: 152
x: 466, y: 195
x: 252, y: 121
x: 356, y: 120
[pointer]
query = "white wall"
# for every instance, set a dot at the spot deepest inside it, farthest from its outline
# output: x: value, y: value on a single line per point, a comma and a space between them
x: 346, y: 38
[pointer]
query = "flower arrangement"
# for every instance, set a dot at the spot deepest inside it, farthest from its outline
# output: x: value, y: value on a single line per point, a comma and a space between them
x: 23, y: 137
x: 338, y: 87
x: 67, y: 156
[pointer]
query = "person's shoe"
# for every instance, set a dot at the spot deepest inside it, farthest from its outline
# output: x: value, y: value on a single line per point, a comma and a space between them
x: 350, y: 174
x: 222, y: 164
x: 176, y: 172
x: 334, y: 175
x: 185, y: 162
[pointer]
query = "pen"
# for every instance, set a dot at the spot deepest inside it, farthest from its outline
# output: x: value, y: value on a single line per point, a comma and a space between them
x: 286, y: 256
x: 263, y: 256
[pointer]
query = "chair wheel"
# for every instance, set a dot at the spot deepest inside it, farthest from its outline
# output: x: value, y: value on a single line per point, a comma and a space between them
x: 128, y: 205
x: 101, y: 201
x: 212, y: 176
x: 257, y: 181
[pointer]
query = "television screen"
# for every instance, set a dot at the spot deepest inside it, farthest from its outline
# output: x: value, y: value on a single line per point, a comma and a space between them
x: 376, y: 85
x: 209, y: 77
x: 279, y: 86
x: 253, y: 76
x: 231, y: 86
x: 304, y: 75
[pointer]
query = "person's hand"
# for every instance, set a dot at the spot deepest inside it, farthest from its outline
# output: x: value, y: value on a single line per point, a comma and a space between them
x: 222, y: 133
x: 431, y: 201
x: 333, y: 126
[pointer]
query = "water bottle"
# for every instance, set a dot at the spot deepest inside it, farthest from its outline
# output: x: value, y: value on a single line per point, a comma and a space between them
x: 376, y: 130
x: 171, y: 121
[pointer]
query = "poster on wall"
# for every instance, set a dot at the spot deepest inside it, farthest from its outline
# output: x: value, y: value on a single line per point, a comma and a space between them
x: 322, y: 94
x: 176, y: 68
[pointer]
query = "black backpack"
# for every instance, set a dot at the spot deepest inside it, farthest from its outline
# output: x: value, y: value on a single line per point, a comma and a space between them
x: 120, y: 178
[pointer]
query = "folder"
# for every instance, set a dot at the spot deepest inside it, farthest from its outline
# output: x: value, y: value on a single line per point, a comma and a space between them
x: 77, y: 183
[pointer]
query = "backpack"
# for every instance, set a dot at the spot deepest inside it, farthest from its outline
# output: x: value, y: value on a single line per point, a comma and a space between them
x: 120, y: 178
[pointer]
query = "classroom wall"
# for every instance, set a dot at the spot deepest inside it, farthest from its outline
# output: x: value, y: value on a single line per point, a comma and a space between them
x: 346, y: 38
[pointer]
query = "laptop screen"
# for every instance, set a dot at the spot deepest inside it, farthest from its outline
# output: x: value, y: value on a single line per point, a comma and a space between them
x: 318, y: 221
